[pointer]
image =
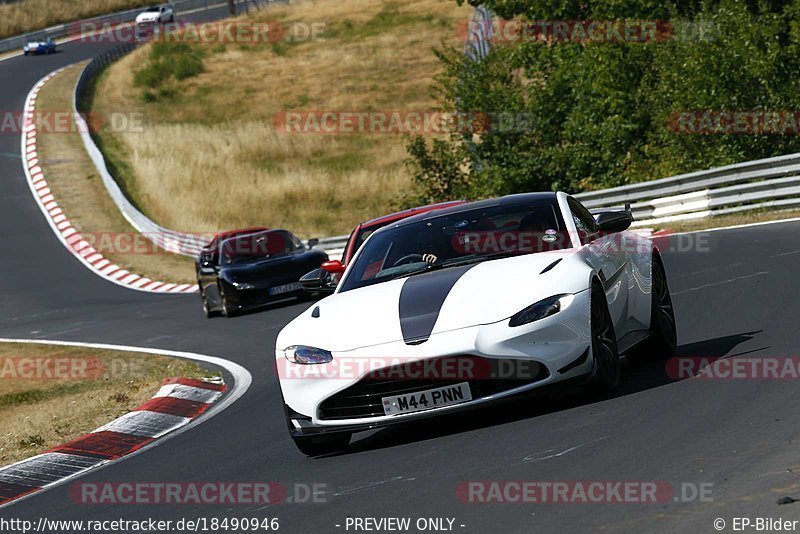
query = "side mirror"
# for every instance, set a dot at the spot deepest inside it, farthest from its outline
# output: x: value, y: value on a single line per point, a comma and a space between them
x: 317, y: 281
x: 333, y: 267
x: 614, y: 221
x: 313, y: 242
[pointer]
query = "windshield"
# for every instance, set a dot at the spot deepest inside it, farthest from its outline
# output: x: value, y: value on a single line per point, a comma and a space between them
x: 155, y: 9
x: 363, y: 235
x: 455, y: 239
x: 257, y: 246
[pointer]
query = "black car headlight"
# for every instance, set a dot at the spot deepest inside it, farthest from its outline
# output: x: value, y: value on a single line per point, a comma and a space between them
x: 540, y: 310
x: 243, y: 285
x: 307, y: 355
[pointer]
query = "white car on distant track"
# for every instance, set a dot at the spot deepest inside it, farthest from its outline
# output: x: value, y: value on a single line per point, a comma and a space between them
x: 156, y: 14
x: 460, y: 306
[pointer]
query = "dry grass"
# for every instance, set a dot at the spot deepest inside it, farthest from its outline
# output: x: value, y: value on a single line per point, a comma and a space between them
x: 80, y: 192
x: 210, y: 158
x: 30, y: 15
x: 37, y: 414
x: 723, y: 221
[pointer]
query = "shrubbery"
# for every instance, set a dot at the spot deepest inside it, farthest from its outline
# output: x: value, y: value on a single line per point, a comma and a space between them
x: 601, y: 110
x: 166, y: 61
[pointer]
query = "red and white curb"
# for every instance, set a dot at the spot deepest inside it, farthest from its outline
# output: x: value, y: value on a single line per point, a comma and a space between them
x: 180, y: 404
x: 59, y: 222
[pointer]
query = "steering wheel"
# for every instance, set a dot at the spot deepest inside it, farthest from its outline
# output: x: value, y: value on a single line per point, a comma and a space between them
x: 408, y: 258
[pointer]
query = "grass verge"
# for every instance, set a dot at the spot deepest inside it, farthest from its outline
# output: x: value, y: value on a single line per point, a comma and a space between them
x: 210, y: 157
x: 80, y: 192
x: 84, y: 389
x: 29, y: 15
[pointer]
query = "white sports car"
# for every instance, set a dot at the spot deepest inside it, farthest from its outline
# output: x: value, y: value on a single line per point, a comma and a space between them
x: 457, y: 307
x: 156, y: 15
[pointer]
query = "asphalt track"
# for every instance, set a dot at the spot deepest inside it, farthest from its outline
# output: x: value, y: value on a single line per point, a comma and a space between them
x: 735, y: 293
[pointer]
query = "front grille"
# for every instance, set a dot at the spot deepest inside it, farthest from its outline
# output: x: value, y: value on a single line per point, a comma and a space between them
x: 490, y: 376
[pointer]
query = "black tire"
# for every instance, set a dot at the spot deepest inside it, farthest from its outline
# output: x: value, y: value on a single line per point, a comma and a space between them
x: 663, y: 341
x: 322, y: 445
x: 605, y: 354
x: 26, y: 52
x: 226, y: 310
x: 206, y: 307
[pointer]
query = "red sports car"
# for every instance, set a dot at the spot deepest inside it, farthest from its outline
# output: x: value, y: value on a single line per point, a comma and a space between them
x: 335, y: 268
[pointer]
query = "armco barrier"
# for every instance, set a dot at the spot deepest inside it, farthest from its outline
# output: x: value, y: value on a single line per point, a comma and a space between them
x: 169, y: 240
x: 765, y: 183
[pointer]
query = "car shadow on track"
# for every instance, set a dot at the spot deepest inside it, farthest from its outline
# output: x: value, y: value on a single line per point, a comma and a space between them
x: 640, y: 374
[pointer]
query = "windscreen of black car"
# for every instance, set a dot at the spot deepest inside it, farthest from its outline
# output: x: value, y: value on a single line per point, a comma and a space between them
x: 257, y: 246
x: 475, y: 235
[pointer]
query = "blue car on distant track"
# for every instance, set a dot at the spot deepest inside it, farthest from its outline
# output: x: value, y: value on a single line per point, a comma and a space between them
x: 47, y: 46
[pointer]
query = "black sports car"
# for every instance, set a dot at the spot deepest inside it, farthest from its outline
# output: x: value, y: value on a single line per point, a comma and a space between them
x: 245, y: 269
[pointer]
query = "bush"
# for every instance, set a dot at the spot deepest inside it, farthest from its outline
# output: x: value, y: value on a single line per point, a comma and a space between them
x: 167, y: 61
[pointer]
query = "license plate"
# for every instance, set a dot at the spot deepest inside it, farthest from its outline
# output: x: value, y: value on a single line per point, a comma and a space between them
x: 285, y: 288
x: 425, y: 400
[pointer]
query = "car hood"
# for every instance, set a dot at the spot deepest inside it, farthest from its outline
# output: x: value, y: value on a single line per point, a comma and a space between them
x: 414, y: 308
x: 146, y: 17
x: 277, y: 266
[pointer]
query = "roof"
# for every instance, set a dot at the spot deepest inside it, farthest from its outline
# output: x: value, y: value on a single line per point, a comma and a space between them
x: 385, y: 219
x: 519, y: 198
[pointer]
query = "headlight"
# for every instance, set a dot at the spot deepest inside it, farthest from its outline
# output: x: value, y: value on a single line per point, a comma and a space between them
x: 243, y: 285
x: 307, y: 355
x: 540, y: 310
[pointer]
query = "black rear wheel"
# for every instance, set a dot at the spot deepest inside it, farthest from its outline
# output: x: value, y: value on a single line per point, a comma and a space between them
x: 663, y: 342
x: 322, y: 445
x: 605, y: 354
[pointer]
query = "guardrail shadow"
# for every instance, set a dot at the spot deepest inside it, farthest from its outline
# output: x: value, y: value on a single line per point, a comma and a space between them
x: 639, y: 374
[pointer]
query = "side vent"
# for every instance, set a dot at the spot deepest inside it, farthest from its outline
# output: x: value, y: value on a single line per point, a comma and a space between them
x: 549, y: 267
